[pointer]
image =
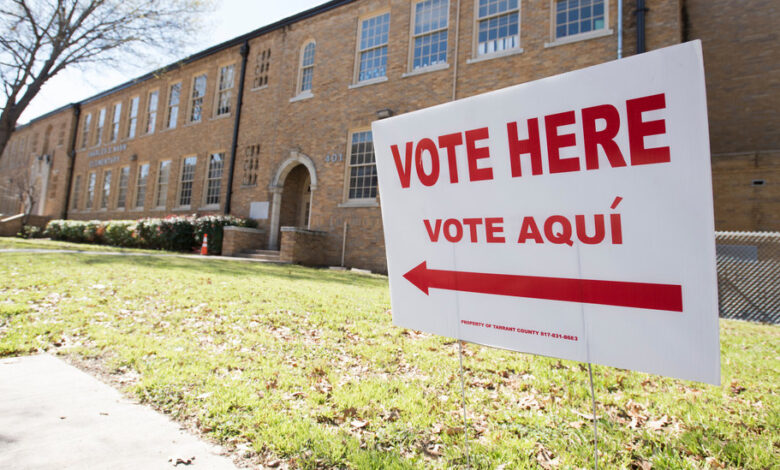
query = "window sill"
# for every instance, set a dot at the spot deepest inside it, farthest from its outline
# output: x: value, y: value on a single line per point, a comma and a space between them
x: 259, y: 88
x: 302, y: 96
x: 210, y: 207
x: 495, y: 55
x: 137, y: 209
x: 359, y: 203
x: 422, y: 70
x: 372, y: 81
x: 221, y: 116
x: 158, y: 209
x: 182, y: 208
x: 579, y: 37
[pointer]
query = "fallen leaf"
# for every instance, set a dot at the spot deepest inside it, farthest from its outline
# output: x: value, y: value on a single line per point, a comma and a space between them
x: 657, y: 425
x: 358, y: 424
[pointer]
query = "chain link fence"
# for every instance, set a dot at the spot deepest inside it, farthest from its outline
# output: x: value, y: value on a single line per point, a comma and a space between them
x: 749, y: 275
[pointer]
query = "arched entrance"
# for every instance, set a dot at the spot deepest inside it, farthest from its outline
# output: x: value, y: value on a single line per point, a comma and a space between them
x: 293, y: 186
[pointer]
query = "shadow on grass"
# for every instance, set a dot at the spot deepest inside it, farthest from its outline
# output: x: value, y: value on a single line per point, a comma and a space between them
x: 235, y: 268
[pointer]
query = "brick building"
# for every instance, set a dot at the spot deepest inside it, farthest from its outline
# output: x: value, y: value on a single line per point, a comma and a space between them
x: 275, y: 124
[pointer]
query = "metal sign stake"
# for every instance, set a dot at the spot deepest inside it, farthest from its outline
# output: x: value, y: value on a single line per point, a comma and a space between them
x: 595, y: 432
x: 463, y: 401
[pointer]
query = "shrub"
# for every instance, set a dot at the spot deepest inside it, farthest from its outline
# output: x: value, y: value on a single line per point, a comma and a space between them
x: 173, y: 233
x: 30, y: 231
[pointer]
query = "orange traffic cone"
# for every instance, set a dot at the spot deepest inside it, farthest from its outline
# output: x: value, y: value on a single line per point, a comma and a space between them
x: 204, y: 248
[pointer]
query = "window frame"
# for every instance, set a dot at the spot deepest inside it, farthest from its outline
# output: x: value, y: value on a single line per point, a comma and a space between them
x: 86, y: 127
x: 180, y: 189
x: 262, y: 69
x: 137, y: 186
x: 119, y: 188
x: 89, y: 202
x: 158, y: 190
x: 359, y: 52
x: 105, y: 192
x: 132, y: 119
x: 357, y: 202
x: 151, y: 114
x: 169, y: 107
x: 218, y: 91
x: 191, y: 100
x: 74, y: 203
x: 413, y: 36
x: 300, y: 92
x: 205, y: 205
x: 476, y: 56
x: 598, y: 33
x: 116, y: 122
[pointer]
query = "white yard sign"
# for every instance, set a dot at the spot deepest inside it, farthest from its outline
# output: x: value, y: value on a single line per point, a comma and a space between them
x: 568, y: 217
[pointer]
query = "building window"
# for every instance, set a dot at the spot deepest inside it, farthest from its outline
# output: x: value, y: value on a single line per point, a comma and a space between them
x: 198, y: 92
x: 573, y: 17
x: 214, y: 178
x: 261, y: 69
x: 74, y: 203
x: 124, y: 176
x: 307, y: 68
x: 101, y: 123
x: 187, y: 178
x: 162, y: 183
x: 90, y: 190
x: 173, y: 105
x: 116, y: 115
x: 225, y: 93
x: 106, y: 189
x: 429, y: 36
x: 132, y: 118
x: 85, y: 130
x: 151, y: 111
x: 372, y: 52
x: 251, y: 165
x: 362, y: 166
x: 61, y: 136
x: 140, y: 186
x: 498, y: 26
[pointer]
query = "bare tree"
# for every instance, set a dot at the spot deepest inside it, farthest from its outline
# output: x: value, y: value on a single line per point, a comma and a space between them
x: 23, y: 189
x: 40, y: 38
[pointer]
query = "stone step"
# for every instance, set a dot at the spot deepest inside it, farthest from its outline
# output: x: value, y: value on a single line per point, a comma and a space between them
x: 261, y: 252
x: 270, y: 256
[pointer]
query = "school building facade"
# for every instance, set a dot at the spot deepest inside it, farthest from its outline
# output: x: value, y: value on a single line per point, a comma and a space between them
x: 275, y: 125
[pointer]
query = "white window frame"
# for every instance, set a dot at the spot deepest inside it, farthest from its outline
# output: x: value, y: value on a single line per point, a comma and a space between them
x: 477, y: 55
x: 360, y: 51
x: 262, y: 67
x: 85, y: 128
x: 101, y: 125
x: 161, y: 188
x: 152, y: 105
x: 74, y: 203
x: 91, y: 182
x: 122, y: 190
x: 413, y: 37
x: 224, y: 92
x: 209, y: 179
x: 116, y: 117
x: 171, y: 106
x: 138, y: 186
x: 182, y: 181
x: 362, y: 201
x: 132, y: 116
x: 555, y: 41
x: 200, y: 99
x: 105, y: 193
x: 303, y: 68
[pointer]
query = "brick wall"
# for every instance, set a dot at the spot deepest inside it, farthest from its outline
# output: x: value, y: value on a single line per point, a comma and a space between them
x: 302, y: 246
x: 238, y: 239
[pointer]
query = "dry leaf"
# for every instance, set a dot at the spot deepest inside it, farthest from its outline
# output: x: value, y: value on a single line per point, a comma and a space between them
x: 545, y: 458
x: 658, y: 424
x: 358, y: 424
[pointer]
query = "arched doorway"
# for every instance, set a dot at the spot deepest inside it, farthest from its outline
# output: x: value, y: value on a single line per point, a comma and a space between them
x: 293, y: 186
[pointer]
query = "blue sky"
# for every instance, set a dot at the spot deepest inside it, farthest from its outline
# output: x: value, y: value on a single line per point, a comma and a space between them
x: 231, y: 18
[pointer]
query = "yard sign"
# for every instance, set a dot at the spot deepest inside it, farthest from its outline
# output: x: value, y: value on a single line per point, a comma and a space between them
x: 568, y: 217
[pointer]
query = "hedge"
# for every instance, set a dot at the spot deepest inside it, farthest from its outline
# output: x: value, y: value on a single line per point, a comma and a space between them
x: 173, y: 233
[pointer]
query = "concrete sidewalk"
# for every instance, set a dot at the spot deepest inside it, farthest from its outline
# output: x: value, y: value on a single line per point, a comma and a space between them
x: 54, y: 416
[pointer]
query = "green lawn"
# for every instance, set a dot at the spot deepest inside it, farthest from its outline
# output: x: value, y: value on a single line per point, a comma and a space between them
x: 303, y: 366
x: 9, y: 243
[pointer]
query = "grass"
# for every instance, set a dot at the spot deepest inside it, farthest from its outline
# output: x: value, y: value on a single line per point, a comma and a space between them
x: 303, y: 366
x: 10, y: 243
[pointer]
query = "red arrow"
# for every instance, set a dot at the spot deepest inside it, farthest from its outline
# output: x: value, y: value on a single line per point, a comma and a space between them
x: 621, y: 294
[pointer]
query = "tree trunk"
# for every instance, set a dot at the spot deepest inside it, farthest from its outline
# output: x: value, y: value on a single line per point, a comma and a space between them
x: 8, y: 120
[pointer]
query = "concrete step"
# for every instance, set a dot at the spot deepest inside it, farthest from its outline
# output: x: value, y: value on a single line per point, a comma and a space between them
x: 271, y: 256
